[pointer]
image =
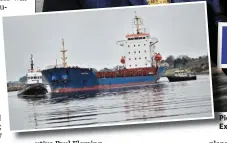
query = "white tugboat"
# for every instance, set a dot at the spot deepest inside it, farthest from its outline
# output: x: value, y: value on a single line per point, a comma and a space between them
x: 34, y: 85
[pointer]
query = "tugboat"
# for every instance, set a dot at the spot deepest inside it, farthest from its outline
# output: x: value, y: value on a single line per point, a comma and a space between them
x: 34, y: 85
x: 182, y: 75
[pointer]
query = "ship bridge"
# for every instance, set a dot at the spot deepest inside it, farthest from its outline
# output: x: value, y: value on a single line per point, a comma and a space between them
x: 137, y: 36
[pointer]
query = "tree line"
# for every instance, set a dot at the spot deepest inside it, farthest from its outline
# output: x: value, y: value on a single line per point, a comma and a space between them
x: 182, y: 60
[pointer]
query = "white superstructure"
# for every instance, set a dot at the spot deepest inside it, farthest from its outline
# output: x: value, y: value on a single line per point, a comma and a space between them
x: 139, y: 47
x: 34, y: 77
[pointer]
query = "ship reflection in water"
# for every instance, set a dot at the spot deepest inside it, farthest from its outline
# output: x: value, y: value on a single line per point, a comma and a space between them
x: 161, y: 101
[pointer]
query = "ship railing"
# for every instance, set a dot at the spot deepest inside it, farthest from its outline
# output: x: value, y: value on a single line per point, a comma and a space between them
x: 54, y: 66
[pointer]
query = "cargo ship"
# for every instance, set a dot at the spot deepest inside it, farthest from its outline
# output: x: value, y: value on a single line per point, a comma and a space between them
x: 140, y: 66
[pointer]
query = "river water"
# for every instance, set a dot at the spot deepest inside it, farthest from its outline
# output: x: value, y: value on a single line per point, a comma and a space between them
x: 158, y: 102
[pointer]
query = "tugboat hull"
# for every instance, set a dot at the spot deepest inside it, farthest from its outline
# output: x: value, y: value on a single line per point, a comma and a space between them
x: 35, y: 89
x: 176, y: 79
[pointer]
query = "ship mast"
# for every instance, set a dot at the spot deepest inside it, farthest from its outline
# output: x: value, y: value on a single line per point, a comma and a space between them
x: 63, y: 55
x: 32, y: 64
x: 137, y: 21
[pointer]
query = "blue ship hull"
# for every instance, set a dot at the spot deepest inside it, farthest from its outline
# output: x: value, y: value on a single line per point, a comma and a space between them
x: 85, y: 80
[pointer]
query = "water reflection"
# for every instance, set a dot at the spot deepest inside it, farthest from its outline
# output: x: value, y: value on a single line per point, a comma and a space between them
x: 139, y: 107
x: 160, y: 101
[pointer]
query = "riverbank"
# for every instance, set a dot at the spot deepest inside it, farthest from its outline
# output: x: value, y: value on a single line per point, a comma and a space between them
x: 14, y: 88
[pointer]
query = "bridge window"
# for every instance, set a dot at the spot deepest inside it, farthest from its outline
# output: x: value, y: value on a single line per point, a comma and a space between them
x: 145, y: 57
x: 144, y: 44
x: 134, y: 51
x: 146, y: 64
x: 128, y: 45
x: 129, y: 59
x: 35, y: 77
x: 139, y: 45
x: 136, y: 65
x: 128, y: 52
x: 139, y: 58
x: 139, y: 51
x: 135, y: 58
x: 145, y: 51
x: 134, y: 45
x: 130, y: 65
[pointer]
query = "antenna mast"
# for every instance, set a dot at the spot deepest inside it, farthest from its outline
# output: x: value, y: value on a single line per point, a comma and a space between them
x: 63, y: 55
x: 137, y: 22
x: 32, y: 64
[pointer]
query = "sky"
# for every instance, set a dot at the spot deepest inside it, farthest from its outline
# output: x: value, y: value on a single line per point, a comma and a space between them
x: 90, y: 35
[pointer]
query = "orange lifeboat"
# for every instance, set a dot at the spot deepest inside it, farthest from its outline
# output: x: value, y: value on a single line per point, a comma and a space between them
x: 158, y: 57
x: 123, y: 60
